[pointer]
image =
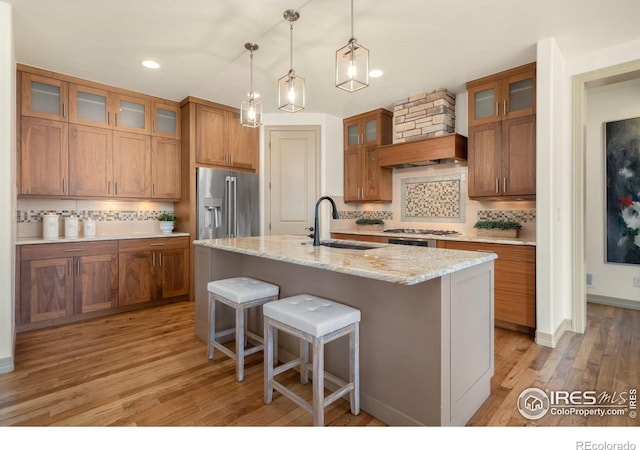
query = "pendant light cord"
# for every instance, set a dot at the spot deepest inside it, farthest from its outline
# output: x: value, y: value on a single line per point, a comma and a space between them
x: 251, y: 75
x: 352, y: 34
x: 291, y: 46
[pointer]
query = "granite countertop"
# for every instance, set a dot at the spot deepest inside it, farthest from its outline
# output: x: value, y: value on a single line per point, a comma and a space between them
x: 386, y: 262
x: 101, y: 237
x: 457, y: 237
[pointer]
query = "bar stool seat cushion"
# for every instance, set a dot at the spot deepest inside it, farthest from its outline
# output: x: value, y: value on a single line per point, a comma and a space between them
x: 313, y: 315
x: 242, y: 289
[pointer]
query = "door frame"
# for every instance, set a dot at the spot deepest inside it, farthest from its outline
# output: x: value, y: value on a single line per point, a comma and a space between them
x: 581, y: 84
x: 317, y: 129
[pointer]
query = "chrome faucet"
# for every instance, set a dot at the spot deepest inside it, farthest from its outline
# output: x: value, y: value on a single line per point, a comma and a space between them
x: 334, y: 214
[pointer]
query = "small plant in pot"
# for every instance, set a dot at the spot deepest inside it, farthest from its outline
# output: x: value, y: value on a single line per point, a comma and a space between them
x: 498, y: 228
x: 365, y: 224
x: 167, y: 221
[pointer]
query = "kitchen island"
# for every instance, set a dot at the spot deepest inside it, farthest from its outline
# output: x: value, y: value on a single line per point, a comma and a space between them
x: 426, y: 335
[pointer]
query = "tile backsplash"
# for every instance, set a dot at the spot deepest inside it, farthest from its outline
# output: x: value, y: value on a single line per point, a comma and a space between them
x: 111, y: 217
x: 434, y: 199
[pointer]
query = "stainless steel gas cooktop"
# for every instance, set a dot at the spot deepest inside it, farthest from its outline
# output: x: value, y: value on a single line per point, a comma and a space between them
x: 421, y: 231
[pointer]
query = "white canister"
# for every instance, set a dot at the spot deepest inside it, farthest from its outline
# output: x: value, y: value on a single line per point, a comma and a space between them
x: 89, y: 227
x: 50, y: 226
x: 71, y: 227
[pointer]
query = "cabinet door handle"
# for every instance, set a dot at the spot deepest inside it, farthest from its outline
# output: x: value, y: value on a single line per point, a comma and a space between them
x: 108, y: 118
x: 153, y: 125
x: 504, y: 108
x: 153, y: 259
x: 497, y: 110
x: 157, y: 244
x: 153, y: 189
x: 108, y: 187
x: 78, y: 266
x: 64, y: 186
x: 69, y: 250
x: 115, y: 115
x: 115, y: 188
x: 160, y: 254
x: 64, y: 109
x: 497, y: 186
x: 504, y: 185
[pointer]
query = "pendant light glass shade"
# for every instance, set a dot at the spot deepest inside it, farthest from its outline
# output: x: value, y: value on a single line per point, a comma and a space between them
x: 352, y: 67
x: 251, y: 108
x: 352, y: 64
x: 291, y: 86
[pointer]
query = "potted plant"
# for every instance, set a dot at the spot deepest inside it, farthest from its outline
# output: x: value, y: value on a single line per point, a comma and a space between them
x: 167, y: 221
x: 497, y: 228
x: 365, y: 224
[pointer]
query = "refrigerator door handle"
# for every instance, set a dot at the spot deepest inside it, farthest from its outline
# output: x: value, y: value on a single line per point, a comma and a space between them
x: 227, y: 191
x: 234, y: 226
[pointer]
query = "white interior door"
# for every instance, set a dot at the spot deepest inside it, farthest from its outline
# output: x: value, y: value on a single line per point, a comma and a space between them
x: 291, y: 179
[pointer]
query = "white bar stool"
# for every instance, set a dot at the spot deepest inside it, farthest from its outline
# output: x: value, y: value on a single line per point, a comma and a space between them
x: 317, y: 321
x: 240, y: 293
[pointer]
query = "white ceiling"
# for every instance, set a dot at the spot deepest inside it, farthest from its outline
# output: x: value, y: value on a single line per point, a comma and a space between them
x: 421, y: 45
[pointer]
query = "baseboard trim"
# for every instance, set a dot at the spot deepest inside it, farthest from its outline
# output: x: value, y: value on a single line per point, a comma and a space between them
x: 6, y: 364
x: 551, y: 340
x: 612, y: 301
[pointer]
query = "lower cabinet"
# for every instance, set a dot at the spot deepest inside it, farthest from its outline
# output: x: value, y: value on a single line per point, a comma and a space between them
x: 153, y: 269
x: 59, y: 283
x: 514, y: 282
x: 61, y: 280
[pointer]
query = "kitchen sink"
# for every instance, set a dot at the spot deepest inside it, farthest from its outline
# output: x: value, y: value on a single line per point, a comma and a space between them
x: 348, y: 246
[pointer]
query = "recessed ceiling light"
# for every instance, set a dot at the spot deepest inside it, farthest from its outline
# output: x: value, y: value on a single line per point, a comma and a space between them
x: 150, y: 64
x: 376, y: 73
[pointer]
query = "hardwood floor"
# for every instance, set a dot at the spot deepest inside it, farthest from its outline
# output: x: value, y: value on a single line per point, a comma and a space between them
x: 146, y: 368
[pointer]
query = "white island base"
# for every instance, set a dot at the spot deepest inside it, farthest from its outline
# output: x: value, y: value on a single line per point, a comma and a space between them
x: 426, y: 349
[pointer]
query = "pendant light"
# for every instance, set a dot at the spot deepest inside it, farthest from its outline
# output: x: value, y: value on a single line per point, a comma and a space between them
x: 251, y: 109
x: 352, y: 64
x: 291, y: 86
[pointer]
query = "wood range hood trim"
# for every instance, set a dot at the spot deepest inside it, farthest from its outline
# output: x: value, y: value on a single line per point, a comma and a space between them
x: 423, y: 152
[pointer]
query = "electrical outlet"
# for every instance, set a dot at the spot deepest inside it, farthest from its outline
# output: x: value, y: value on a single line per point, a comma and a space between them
x: 636, y: 282
x: 590, y: 283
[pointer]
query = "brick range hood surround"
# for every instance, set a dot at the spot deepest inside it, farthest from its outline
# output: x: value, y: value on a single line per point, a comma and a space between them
x: 424, y: 115
x: 424, y: 132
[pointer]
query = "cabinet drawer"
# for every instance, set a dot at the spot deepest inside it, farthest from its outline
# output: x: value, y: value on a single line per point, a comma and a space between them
x: 138, y: 245
x: 67, y: 250
x: 515, y: 276
x: 515, y: 308
x: 505, y: 252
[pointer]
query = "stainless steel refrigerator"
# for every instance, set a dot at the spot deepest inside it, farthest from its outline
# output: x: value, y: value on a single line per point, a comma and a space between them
x: 228, y: 204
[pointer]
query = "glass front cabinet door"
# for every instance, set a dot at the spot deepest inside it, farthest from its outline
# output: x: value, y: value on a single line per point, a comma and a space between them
x: 165, y: 120
x: 90, y: 106
x: 44, y: 97
x: 132, y: 114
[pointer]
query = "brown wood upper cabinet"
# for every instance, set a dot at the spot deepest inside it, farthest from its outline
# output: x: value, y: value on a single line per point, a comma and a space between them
x: 44, y: 97
x: 502, y: 131
x: 223, y: 141
x: 503, y: 96
x: 364, y: 179
x: 84, y: 139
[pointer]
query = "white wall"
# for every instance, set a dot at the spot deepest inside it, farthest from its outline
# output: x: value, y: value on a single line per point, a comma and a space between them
x: 7, y: 187
x: 555, y: 229
x: 553, y: 187
x: 604, y: 104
